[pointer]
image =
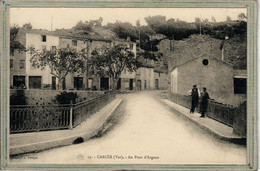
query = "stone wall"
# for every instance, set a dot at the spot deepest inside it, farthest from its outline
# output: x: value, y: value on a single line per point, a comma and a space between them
x: 47, y: 97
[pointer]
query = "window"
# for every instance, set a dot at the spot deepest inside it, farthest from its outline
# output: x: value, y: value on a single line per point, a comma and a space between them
x: 22, y: 64
x: 19, y: 81
x: 205, y: 62
x: 12, y: 52
x: 43, y: 38
x: 35, y: 82
x: 68, y: 45
x: 74, y: 42
x: 11, y: 63
x: 53, y: 48
x: 240, y: 86
x: 131, y: 46
x: 90, y: 82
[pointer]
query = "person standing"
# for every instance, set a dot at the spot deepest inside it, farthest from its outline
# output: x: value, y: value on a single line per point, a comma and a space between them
x: 204, y: 102
x: 194, y: 98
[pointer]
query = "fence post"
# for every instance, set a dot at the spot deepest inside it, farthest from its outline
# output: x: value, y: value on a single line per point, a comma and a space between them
x: 71, y: 110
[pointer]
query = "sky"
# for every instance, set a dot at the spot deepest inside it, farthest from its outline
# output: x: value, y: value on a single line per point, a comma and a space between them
x: 41, y: 18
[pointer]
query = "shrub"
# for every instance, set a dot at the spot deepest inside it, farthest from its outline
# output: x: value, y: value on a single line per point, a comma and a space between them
x: 66, y: 98
x: 18, y: 98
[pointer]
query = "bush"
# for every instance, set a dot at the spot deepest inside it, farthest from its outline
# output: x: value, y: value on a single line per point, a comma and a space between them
x: 18, y: 98
x: 66, y: 98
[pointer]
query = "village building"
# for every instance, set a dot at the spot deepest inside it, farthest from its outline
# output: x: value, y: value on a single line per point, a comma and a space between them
x: 207, y: 71
x: 199, y: 61
x: 24, y: 75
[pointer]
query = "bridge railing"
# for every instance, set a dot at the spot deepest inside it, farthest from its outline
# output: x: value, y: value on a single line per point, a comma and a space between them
x: 221, y: 112
x: 29, y: 118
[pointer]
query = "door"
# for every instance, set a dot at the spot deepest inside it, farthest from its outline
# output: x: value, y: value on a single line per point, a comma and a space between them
x: 131, y: 84
x: 64, y: 84
x: 19, y: 81
x: 156, y: 84
x: 53, y: 83
x: 78, y: 83
x: 139, y: 84
x: 118, y: 84
x: 104, y: 83
x: 145, y: 84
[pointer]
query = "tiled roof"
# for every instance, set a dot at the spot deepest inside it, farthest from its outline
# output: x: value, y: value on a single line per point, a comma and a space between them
x: 97, y: 34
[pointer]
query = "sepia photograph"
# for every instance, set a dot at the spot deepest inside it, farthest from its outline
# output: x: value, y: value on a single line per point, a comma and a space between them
x: 129, y: 86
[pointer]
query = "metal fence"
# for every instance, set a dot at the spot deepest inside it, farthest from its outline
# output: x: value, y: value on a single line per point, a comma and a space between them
x: 52, y: 117
x: 218, y: 111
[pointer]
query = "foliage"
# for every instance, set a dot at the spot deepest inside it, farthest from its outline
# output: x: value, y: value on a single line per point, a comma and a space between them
x: 15, y: 44
x: 27, y: 26
x: 13, y: 31
x: 60, y: 61
x: 123, y: 30
x: 66, y: 98
x: 241, y: 17
x: 111, y: 62
x: 87, y: 25
x: 18, y: 98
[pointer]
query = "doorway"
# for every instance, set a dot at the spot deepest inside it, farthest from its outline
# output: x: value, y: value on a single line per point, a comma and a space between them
x: 118, y: 84
x: 78, y: 83
x: 131, y: 81
x: 53, y: 83
x: 104, y: 83
x: 156, y: 84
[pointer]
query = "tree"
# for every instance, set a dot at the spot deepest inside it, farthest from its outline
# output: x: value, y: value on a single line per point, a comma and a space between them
x: 242, y: 17
x: 13, y: 31
x: 60, y: 61
x: 213, y: 19
x: 111, y: 62
x: 86, y: 26
x: 15, y: 44
x: 155, y: 22
x: 123, y: 30
x: 228, y: 18
x: 27, y: 26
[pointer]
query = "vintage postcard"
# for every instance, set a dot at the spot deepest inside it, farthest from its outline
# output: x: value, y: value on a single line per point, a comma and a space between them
x: 113, y: 85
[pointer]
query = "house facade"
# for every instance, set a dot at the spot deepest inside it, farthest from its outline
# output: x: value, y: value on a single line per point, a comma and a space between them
x: 23, y: 75
x: 218, y: 76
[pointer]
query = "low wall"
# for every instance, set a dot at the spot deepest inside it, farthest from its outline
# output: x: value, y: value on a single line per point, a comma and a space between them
x: 47, y: 97
x: 235, y: 117
x: 240, y: 120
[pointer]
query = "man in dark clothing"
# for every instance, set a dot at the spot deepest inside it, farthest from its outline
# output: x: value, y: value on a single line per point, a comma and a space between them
x: 204, y: 102
x: 194, y: 98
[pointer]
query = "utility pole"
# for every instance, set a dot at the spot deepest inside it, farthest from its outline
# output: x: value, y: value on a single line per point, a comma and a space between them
x: 200, y: 24
x: 139, y: 38
x: 51, y: 23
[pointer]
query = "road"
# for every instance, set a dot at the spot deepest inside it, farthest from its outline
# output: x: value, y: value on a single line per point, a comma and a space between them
x: 148, y: 132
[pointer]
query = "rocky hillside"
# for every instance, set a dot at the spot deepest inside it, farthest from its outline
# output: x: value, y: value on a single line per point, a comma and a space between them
x: 178, y: 52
